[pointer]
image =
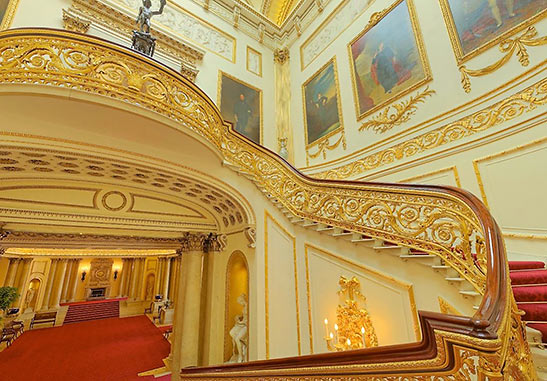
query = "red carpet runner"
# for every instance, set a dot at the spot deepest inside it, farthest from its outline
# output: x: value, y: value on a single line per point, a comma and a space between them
x: 92, y: 311
x: 106, y: 350
x: 529, y: 282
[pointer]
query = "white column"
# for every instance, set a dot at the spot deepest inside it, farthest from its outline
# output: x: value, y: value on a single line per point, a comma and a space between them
x: 122, y: 277
x: 50, y: 281
x: 166, y: 281
x: 66, y: 282
x: 22, y: 283
x: 56, y: 295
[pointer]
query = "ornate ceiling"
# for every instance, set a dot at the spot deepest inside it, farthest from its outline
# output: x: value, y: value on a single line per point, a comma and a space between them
x: 89, y: 191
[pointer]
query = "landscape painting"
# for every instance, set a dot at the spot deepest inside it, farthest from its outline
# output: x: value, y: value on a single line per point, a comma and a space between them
x: 388, y: 59
x: 478, y: 24
x: 322, y: 115
x: 241, y: 105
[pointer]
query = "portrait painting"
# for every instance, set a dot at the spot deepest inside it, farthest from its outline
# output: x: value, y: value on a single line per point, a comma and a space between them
x: 388, y: 59
x: 241, y: 105
x: 322, y: 111
x: 475, y: 25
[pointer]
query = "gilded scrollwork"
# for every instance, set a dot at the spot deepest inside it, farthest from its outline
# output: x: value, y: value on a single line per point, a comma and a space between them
x: 396, y: 114
x: 509, y: 48
x: 325, y: 145
x: 434, y: 222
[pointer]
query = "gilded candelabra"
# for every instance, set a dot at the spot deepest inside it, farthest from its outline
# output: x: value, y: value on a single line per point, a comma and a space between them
x: 353, y: 328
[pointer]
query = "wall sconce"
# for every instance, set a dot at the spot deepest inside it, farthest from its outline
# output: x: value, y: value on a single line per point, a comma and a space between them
x: 115, y: 274
x: 84, y: 273
x: 353, y: 328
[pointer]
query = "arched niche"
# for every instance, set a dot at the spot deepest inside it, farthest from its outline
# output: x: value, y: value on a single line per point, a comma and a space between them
x: 31, y: 295
x: 237, y: 283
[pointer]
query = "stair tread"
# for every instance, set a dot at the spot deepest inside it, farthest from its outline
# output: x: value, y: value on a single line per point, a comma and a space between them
x: 528, y: 277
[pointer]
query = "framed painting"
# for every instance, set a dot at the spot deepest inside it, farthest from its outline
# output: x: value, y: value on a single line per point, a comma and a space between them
x: 254, y: 61
x: 388, y: 58
x: 322, y: 109
x: 477, y: 25
x: 241, y: 105
x: 7, y: 11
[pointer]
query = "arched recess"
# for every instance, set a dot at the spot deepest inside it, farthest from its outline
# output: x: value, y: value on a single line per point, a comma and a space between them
x: 237, y: 284
x: 31, y: 294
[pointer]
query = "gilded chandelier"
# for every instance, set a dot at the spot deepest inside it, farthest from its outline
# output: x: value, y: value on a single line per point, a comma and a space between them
x: 353, y: 328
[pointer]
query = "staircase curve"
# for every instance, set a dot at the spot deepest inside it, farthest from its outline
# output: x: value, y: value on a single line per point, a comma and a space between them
x: 446, y: 222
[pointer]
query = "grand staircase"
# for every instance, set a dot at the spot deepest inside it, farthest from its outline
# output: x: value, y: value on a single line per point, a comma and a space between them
x: 92, y: 311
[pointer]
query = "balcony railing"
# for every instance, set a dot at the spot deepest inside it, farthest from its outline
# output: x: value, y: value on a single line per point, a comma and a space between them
x: 448, y: 222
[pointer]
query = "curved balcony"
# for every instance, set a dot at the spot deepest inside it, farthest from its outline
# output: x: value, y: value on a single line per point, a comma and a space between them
x: 447, y: 222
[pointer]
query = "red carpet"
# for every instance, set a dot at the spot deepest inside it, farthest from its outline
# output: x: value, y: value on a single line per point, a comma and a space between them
x: 92, y: 301
x: 529, y: 281
x: 92, y: 311
x: 101, y: 350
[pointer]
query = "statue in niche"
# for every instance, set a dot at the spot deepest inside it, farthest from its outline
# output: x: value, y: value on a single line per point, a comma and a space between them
x: 29, y: 299
x: 142, y: 40
x: 239, y: 333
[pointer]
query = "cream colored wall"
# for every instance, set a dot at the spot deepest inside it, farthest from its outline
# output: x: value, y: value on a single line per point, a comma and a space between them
x: 31, y: 14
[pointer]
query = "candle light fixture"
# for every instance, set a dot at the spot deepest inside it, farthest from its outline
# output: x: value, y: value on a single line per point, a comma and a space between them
x: 353, y: 328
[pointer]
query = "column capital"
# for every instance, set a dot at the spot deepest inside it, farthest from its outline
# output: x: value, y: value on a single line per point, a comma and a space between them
x: 202, y: 242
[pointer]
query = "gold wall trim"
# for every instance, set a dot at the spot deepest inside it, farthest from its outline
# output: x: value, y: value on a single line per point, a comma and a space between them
x: 388, y: 278
x: 375, y: 18
x: 454, y: 39
x: 402, y: 112
x: 510, y: 47
x: 525, y: 236
x: 7, y: 20
x: 452, y: 170
x: 478, y: 161
x: 523, y: 102
x: 293, y: 238
x: 535, y: 71
x: 447, y: 308
x: 49, y: 252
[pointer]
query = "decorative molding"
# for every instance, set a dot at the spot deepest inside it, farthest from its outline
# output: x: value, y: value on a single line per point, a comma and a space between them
x: 54, y: 252
x: 324, y: 145
x: 75, y: 23
x: 281, y: 55
x: 526, y: 100
x: 333, y: 26
x: 401, y: 113
x: 203, y: 242
x: 447, y: 308
x: 510, y: 47
x: 250, y: 234
x: 254, y: 61
x: 452, y: 169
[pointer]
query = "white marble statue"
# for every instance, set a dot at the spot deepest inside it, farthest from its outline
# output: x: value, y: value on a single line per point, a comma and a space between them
x: 239, y: 333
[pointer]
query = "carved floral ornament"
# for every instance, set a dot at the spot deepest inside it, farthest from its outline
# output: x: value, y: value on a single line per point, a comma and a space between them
x: 442, y: 223
x: 202, y: 242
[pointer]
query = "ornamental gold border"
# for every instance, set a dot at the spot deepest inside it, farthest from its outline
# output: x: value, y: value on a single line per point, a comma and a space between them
x: 259, y: 55
x: 480, y: 180
x: 388, y: 278
x: 321, y: 26
x: 541, y: 67
x: 375, y: 19
x: 453, y: 170
x: 455, y: 40
x: 219, y: 100
x: 525, y: 101
x: 447, y: 308
x: 338, y: 104
x: 7, y: 20
x: 115, y: 253
x: 267, y: 216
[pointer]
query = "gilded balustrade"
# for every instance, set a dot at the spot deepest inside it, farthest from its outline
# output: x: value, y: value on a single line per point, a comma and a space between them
x: 443, y: 221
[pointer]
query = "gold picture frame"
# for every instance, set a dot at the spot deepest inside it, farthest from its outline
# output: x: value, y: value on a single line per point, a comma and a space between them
x: 222, y: 75
x: 7, y: 19
x: 461, y: 56
x: 250, y: 53
x: 375, y: 19
x: 340, y: 128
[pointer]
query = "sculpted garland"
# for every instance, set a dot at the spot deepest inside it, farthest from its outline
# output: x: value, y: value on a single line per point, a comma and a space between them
x: 434, y: 222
